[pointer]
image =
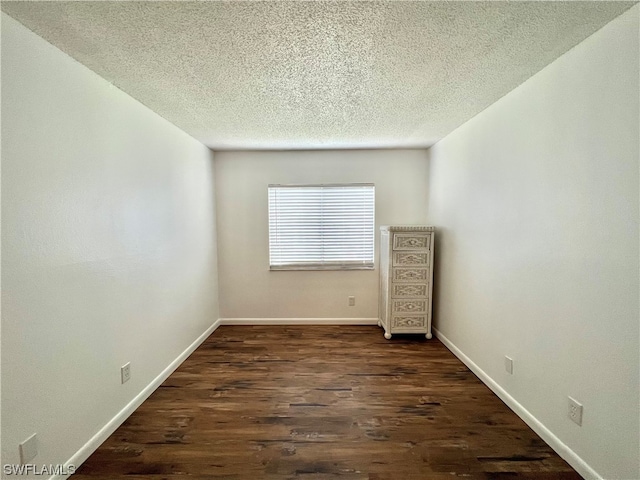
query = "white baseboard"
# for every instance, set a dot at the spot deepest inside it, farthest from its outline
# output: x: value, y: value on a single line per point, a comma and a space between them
x: 88, y: 448
x: 298, y: 321
x: 547, y: 435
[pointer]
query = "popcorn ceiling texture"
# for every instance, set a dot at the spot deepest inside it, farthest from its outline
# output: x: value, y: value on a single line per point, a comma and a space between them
x: 280, y: 75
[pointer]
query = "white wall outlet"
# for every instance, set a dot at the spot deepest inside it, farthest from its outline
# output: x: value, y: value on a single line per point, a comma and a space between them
x: 352, y: 301
x: 575, y: 411
x: 28, y: 449
x: 125, y: 372
x: 508, y: 365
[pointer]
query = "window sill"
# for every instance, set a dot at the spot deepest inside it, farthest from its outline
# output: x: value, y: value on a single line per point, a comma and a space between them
x: 276, y: 268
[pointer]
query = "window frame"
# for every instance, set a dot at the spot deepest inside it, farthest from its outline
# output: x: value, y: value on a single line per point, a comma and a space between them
x: 365, y: 264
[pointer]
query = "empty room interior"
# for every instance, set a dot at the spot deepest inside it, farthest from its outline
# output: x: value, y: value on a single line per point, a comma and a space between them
x: 470, y: 307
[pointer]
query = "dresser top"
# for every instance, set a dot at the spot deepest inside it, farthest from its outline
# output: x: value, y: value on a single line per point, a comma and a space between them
x: 408, y: 228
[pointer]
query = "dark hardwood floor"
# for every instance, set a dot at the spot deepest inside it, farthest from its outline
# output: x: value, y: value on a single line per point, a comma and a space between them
x: 315, y: 402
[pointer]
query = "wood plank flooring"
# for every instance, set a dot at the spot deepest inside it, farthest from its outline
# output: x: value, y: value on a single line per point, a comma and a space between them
x: 317, y: 402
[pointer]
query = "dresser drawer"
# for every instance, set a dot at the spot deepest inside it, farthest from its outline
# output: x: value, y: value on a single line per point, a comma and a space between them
x: 400, y: 274
x: 408, y: 306
x: 411, y: 241
x: 410, y: 258
x: 408, y: 321
x: 413, y: 290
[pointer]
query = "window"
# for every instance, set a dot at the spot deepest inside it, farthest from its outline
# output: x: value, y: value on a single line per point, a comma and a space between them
x: 328, y: 227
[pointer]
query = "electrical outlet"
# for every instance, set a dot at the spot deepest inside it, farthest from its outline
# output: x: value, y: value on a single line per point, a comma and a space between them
x: 352, y: 301
x: 575, y: 411
x: 28, y: 449
x: 125, y: 372
x: 508, y: 365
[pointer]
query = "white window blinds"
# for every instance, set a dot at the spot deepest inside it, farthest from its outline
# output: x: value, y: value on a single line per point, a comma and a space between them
x: 321, y: 226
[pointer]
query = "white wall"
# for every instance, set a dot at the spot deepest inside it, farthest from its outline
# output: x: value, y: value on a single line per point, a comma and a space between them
x: 537, y: 203
x: 247, y: 288
x: 108, y: 247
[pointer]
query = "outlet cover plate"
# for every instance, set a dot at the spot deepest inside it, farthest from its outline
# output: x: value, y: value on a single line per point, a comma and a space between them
x: 125, y: 372
x: 28, y: 449
x: 508, y: 365
x: 575, y: 411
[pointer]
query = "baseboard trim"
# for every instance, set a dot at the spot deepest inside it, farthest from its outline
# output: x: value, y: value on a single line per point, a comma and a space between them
x: 299, y: 321
x: 91, y: 446
x: 571, y: 457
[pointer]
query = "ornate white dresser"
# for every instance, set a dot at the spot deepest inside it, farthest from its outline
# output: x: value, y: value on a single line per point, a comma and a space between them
x: 406, y: 279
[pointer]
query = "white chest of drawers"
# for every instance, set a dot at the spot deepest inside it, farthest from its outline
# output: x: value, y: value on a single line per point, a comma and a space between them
x: 406, y: 279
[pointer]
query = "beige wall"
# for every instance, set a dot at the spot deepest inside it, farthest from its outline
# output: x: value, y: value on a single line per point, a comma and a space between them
x: 247, y: 288
x: 108, y: 247
x: 536, y: 200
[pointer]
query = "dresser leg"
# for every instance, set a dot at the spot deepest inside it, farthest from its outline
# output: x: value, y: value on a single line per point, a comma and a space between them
x: 379, y: 323
x: 428, y: 335
x: 387, y: 335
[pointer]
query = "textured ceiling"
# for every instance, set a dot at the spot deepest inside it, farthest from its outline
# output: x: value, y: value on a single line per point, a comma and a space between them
x: 314, y: 74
